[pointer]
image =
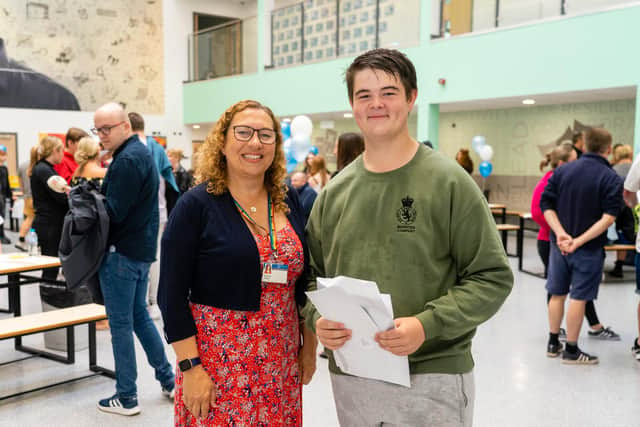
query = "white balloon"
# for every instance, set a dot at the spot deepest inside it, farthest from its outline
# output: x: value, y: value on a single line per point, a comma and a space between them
x: 300, y: 146
x: 477, y: 142
x: 486, y: 153
x: 301, y: 125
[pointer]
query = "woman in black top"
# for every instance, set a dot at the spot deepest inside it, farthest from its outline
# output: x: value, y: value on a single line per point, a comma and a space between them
x: 50, y: 208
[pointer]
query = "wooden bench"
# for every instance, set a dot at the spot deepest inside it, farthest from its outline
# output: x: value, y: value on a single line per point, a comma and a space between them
x: 17, y: 327
x: 503, y: 229
x: 620, y: 248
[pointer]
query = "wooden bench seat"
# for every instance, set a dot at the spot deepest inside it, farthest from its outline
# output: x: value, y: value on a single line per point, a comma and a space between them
x: 49, y: 320
x: 68, y: 318
x: 507, y: 227
x: 620, y: 248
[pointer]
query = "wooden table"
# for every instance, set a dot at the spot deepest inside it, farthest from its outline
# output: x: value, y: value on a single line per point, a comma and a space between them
x: 14, y: 266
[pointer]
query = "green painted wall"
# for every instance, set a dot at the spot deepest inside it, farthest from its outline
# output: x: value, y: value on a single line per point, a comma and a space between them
x: 519, y: 136
x: 585, y: 52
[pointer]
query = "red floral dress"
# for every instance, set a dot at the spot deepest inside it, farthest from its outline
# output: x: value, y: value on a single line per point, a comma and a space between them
x: 252, y: 357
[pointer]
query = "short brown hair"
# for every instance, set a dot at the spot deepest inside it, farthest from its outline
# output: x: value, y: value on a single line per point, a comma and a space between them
x: 393, y: 62
x: 597, y: 140
x: 464, y: 160
x: 74, y: 135
x: 212, y: 166
x: 137, y: 122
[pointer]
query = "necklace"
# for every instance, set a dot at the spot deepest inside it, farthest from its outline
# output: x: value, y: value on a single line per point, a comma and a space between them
x: 253, y: 209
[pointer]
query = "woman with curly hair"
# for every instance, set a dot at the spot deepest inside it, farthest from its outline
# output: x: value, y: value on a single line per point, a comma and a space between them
x: 464, y: 160
x: 232, y: 278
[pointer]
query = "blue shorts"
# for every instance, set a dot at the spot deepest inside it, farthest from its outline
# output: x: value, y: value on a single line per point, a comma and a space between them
x: 578, y: 274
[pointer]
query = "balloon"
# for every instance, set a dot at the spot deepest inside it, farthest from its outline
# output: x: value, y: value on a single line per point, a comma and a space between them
x: 285, y: 129
x: 486, y: 153
x: 477, y: 142
x: 301, y: 125
x: 286, y: 147
x: 485, y: 169
x: 300, y: 146
x: 314, y: 150
x: 291, y: 164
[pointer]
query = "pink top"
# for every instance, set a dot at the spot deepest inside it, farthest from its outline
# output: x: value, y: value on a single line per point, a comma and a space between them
x: 536, y: 213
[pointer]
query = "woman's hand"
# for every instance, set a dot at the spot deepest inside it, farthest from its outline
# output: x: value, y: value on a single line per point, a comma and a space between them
x: 307, y: 355
x: 198, y: 391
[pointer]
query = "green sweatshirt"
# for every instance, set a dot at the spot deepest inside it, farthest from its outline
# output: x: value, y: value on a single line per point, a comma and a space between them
x: 425, y: 235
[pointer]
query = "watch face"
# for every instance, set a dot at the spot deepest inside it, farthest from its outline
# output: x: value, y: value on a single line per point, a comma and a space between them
x: 184, y: 365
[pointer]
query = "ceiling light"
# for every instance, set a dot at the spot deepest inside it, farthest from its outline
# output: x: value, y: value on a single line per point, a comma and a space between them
x: 347, y: 115
x: 196, y: 126
x: 528, y: 101
x: 286, y: 120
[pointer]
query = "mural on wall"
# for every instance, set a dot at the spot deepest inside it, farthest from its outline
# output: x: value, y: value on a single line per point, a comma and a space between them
x: 567, y: 135
x: 10, y: 141
x: 81, y: 54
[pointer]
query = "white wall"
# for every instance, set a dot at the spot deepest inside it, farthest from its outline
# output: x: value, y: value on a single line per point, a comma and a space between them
x: 177, y: 25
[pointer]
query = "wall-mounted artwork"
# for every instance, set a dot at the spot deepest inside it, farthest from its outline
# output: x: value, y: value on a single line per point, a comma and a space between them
x: 162, y: 140
x: 80, y: 54
x: 10, y: 141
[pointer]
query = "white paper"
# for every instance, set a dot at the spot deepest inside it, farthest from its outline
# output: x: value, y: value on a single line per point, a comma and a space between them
x: 360, y: 306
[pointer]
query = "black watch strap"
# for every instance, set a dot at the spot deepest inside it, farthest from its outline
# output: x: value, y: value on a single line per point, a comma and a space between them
x: 187, y: 364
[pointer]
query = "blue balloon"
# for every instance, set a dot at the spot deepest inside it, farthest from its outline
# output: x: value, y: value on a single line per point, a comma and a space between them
x: 286, y: 147
x: 485, y: 169
x: 285, y: 129
x: 291, y: 164
x: 314, y: 150
x: 478, y: 142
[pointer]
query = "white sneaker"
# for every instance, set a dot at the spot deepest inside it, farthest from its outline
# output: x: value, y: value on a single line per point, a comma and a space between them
x: 154, y: 311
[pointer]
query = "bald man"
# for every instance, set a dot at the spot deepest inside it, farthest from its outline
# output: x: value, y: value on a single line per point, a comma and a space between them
x: 131, y: 191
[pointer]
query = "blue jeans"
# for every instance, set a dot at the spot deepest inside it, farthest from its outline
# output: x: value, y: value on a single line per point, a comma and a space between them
x: 124, y: 285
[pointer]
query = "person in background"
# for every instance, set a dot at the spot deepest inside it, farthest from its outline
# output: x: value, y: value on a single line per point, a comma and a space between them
x: 29, y: 214
x: 233, y: 263
x: 168, y: 194
x: 580, y: 201
x: 577, y: 140
x: 307, y: 163
x: 184, y: 179
x: 51, y: 207
x: 631, y: 188
x: 464, y: 160
x: 349, y: 146
x: 131, y: 191
x: 68, y: 165
x: 5, y: 193
x: 428, y: 144
x: 87, y: 157
x: 625, y: 224
x: 306, y: 194
x: 318, y: 173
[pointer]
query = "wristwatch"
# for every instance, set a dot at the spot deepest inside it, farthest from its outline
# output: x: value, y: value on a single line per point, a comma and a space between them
x: 187, y: 364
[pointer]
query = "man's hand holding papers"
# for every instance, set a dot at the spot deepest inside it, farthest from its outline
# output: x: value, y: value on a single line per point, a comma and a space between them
x: 331, y: 334
x: 404, y: 339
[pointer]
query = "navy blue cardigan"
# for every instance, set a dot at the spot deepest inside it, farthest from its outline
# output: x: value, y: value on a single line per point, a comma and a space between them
x: 210, y: 257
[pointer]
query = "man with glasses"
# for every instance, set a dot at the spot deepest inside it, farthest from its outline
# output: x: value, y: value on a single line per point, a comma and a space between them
x: 131, y: 191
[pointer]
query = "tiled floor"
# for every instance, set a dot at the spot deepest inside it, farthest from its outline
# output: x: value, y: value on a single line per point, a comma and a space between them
x: 516, y: 384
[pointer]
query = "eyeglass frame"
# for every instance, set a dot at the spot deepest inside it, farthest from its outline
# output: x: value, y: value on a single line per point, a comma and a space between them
x: 253, y: 131
x: 106, y: 130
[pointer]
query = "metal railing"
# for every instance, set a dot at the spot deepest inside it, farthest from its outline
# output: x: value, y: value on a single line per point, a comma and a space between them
x: 224, y: 50
x: 466, y: 16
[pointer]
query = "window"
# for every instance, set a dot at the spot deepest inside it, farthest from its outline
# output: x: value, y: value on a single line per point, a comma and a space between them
x: 388, y: 11
x: 329, y: 25
x: 352, y: 19
x: 346, y: 35
x: 308, y: 55
x: 319, y: 54
x: 364, y: 17
x: 357, y: 32
x: 314, y: 42
x: 364, y: 45
x: 294, y: 46
x: 289, y: 60
x: 371, y: 29
x: 285, y: 23
x: 285, y: 48
x: 319, y: 27
x: 329, y: 52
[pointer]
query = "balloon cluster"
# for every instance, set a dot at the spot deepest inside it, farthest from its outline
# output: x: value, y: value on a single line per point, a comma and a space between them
x: 297, y: 140
x: 485, y: 151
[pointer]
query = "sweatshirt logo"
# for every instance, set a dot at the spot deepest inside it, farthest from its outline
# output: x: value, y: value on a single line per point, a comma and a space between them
x: 406, y: 216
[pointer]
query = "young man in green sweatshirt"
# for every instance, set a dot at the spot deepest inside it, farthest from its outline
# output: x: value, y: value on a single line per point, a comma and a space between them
x: 414, y: 222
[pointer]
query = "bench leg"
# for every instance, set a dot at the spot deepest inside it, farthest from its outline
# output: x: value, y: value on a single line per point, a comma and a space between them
x: 93, y: 359
x: 71, y: 349
x: 519, y: 243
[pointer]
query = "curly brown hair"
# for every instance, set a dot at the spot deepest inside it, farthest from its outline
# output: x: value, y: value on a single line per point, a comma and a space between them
x: 212, y: 166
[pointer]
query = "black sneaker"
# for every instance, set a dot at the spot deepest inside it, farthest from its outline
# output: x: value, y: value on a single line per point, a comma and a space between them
x: 562, y: 335
x: 636, y: 350
x: 554, y: 350
x: 119, y: 405
x: 604, y: 334
x: 579, y: 358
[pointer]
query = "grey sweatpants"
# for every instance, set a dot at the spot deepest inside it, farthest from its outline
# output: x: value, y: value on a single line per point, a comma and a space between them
x: 434, y: 400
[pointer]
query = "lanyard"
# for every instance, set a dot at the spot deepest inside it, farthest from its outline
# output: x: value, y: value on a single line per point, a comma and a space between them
x: 272, y: 234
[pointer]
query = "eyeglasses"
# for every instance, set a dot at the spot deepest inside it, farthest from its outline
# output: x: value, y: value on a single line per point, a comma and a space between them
x: 105, y: 130
x: 245, y: 133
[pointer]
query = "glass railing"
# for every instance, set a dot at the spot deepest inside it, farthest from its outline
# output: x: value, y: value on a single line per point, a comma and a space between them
x: 225, y: 50
x: 465, y: 16
x: 317, y: 30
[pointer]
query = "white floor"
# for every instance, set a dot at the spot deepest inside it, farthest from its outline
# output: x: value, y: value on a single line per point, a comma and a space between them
x: 516, y: 385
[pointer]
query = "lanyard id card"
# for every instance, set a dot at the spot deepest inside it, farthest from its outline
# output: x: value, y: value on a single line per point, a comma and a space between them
x: 274, y: 273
